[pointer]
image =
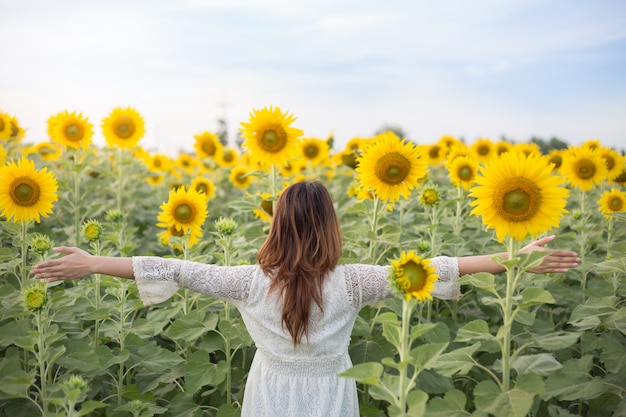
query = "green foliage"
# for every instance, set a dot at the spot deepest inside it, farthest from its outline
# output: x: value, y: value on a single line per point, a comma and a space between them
x: 189, y: 356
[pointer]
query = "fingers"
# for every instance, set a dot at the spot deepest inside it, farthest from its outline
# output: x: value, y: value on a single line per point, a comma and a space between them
x: 544, y: 240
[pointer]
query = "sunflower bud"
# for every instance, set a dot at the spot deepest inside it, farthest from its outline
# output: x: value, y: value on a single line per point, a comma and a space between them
x: 75, y: 389
x: 577, y: 214
x: 423, y: 246
x: 430, y: 196
x: 35, y: 296
x: 91, y: 230
x: 114, y: 215
x: 40, y: 243
x: 226, y: 226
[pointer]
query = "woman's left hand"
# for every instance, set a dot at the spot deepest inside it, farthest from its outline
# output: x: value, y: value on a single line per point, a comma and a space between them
x: 556, y: 261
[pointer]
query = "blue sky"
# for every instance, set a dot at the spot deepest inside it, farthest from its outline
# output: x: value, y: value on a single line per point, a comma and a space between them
x: 471, y: 69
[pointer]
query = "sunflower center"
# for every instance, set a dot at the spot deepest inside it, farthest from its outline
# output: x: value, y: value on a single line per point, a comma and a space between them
x: 241, y: 178
x: 74, y: 132
x: 1, y: 124
x: 268, y: 207
x: 202, y: 188
x: 392, y: 168
x: 228, y: 156
x: 25, y: 191
x: 585, y: 169
x: 616, y: 204
x: 518, y: 200
x: 35, y: 300
x: 557, y: 160
x: 349, y: 160
x: 273, y: 141
x: 430, y: 197
x: 433, y: 152
x: 483, y: 150
x: 124, y: 127
x: 416, y: 275
x: 311, y: 151
x: 176, y: 232
x: 610, y: 161
x: 183, y: 213
x: 208, y: 147
x: 466, y: 173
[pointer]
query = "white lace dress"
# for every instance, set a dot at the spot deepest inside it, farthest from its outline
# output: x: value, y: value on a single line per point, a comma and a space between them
x: 284, y: 381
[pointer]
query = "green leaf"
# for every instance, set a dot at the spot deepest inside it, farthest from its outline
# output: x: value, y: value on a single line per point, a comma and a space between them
x: 200, y: 371
x: 189, y: 327
x: 573, y: 381
x: 80, y: 356
x: 423, y: 356
x: 459, y: 361
x: 416, y: 402
x: 543, y: 364
x: 236, y: 332
x: 366, y: 373
x: 86, y: 407
x: 14, y: 381
x: 482, y: 280
x: 513, y: 403
x: 524, y: 317
x: 474, y: 330
x: 420, y: 329
x: 451, y: 405
x: 533, y: 296
x: 392, y: 333
x: 557, y: 341
x: 18, y: 333
x: 531, y: 259
x: 157, y: 359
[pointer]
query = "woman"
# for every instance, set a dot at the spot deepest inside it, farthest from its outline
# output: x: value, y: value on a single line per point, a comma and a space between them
x: 298, y: 304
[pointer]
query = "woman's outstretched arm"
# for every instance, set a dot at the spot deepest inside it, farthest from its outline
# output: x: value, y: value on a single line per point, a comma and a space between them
x: 77, y: 263
x: 556, y: 261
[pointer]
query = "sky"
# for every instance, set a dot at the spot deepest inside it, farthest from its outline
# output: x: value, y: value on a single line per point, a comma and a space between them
x: 470, y: 69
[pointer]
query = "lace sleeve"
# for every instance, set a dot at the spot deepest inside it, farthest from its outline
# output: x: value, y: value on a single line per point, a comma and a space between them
x: 367, y: 284
x: 447, y: 286
x: 159, y: 278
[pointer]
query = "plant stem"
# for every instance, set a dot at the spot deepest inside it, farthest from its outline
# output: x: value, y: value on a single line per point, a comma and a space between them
x: 507, y: 308
x: 374, y: 226
x: 404, y: 352
x: 24, y: 247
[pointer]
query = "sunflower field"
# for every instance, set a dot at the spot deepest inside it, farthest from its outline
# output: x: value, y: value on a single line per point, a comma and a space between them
x: 514, y: 344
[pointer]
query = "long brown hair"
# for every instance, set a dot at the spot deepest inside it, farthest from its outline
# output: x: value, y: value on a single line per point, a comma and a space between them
x: 303, y: 245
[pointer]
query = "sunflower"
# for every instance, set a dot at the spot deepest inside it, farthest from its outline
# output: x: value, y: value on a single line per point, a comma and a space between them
x: 265, y: 211
x: 269, y: 137
x: 91, y: 230
x: 436, y: 153
x: 347, y: 158
x: 159, y: 163
x: 25, y: 193
x: 462, y: 172
x: 70, y: 129
x: 457, y: 150
x: 5, y: 126
x: 314, y: 150
x: 187, y: 163
x: 241, y: 177
x: 620, y: 178
x: 527, y: 148
x: 482, y: 149
x: 502, y: 146
x: 448, y: 142
x: 293, y: 167
x: 35, y: 296
x: 429, y: 196
x: 47, y: 151
x: 518, y: 195
x: 391, y: 167
x: 207, y: 145
x: 3, y: 155
x: 16, y: 131
x: 204, y: 186
x: 165, y: 237
x: 413, y: 277
x: 584, y: 168
x: 592, y: 144
x: 124, y: 127
x: 555, y: 157
x: 228, y: 158
x: 612, y: 201
x: 613, y: 161
x: 185, y: 209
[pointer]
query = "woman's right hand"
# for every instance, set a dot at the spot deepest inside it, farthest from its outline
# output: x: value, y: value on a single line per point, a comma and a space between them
x: 76, y: 263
